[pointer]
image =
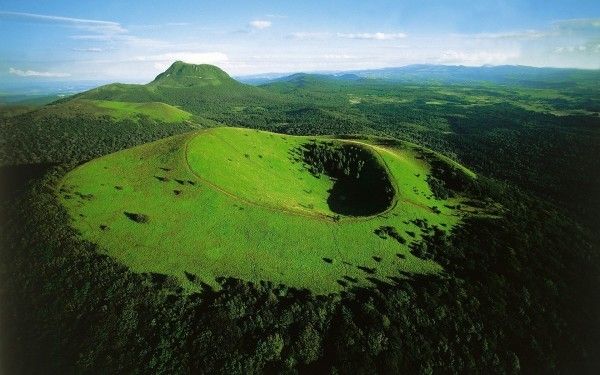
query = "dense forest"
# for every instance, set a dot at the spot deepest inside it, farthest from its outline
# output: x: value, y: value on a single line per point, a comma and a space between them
x: 519, y: 292
x: 362, y: 186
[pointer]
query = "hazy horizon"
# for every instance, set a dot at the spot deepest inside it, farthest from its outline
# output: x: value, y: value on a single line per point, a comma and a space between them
x: 112, y: 41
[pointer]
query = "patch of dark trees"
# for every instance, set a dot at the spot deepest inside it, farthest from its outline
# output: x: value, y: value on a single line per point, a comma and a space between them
x: 445, y: 180
x: 361, y: 183
x: 518, y: 294
x: 15, y: 179
x: 137, y: 217
x: 31, y: 138
x: 388, y: 231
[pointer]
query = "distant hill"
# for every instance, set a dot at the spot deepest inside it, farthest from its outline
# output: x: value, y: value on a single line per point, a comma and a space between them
x: 261, y: 79
x: 203, y: 90
x: 116, y: 109
x: 306, y: 77
x: 503, y: 74
x: 303, y: 78
x: 306, y: 80
x: 457, y: 74
x: 181, y: 74
x: 33, y: 100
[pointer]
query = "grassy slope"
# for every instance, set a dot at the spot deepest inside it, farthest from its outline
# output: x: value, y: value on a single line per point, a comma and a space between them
x: 263, y: 171
x: 119, y: 110
x: 207, y: 233
x: 201, y: 90
x: 155, y: 110
x: 181, y: 74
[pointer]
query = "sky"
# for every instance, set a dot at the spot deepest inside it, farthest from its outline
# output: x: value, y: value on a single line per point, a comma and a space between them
x: 133, y: 41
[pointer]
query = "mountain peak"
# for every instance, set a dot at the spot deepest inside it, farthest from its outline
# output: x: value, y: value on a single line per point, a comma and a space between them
x: 181, y: 74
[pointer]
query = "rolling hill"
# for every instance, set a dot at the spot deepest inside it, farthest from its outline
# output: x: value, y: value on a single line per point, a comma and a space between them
x: 231, y: 202
x: 525, y: 76
x: 117, y: 109
x: 180, y: 74
x: 203, y: 90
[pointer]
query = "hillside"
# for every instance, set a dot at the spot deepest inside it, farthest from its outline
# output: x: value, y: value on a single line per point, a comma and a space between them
x: 80, y: 129
x: 180, y: 74
x: 203, y: 90
x: 116, y: 109
x: 525, y: 76
x: 313, y: 82
x: 207, y: 197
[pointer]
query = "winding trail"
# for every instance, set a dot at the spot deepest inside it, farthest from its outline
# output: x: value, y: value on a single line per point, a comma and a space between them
x: 315, y: 216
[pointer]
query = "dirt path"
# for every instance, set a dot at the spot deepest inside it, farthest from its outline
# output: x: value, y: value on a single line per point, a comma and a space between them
x: 315, y: 216
x: 400, y: 199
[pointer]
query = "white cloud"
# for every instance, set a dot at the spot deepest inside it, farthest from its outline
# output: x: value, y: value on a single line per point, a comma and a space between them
x: 103, y: 27
x: 477, y: 57
x: 582, y: 48
x: 92, y: 30
x: 580, y: 24
x: 338, y: 57
x: 89, y: 49
x: 511, y: 35
x: 583, y: 27
x: 33, y: 73
x: 189, y: 57
x: 99, y: 38
x: 373, y: 36
x: 309, y: 35
x: 260, y: 24
x: 126, y: 39
x: 367, y: 36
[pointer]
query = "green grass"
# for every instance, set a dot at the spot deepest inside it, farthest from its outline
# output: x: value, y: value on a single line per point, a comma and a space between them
x: 120, y: 110
x: 234, y: 203
x: 258, y: 170
x: 154, y: 110
x: 180, y: 74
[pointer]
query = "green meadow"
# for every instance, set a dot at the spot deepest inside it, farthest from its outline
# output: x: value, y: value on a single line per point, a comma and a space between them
x: 121, y: 110
x: 230, y: 202
x: 156, y: 110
